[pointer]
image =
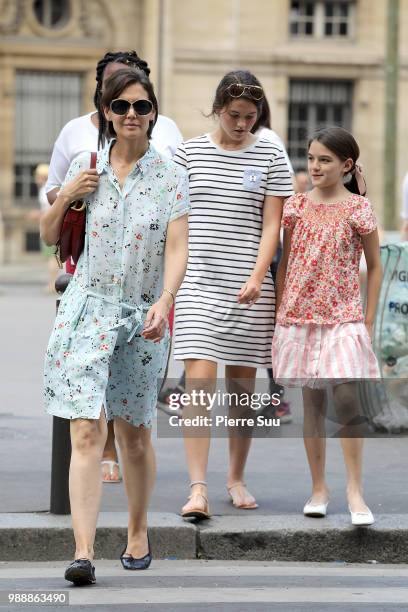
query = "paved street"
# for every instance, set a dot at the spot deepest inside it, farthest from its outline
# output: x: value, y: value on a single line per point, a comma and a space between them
x: 277, y: 471
x: 225, y: 586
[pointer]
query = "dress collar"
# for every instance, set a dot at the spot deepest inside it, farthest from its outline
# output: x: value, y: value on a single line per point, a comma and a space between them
x: 149, y: 159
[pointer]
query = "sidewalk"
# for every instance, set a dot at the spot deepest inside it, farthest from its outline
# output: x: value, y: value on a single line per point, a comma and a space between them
x: 30, y: 273
x: 277, y: 474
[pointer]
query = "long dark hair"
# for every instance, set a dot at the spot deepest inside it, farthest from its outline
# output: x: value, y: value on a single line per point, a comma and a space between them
x: 222, y: 97
x: 128, y: 58
x: 344, y: 146
x: 114, y: 86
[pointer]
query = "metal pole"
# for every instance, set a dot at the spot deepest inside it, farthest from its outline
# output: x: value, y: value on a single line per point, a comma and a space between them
x: 61, y: 444
x: 391, y: 104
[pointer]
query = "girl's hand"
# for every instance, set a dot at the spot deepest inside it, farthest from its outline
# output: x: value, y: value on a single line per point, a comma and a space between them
x: 249, y: 292
x: 155, y: 323
x: 82, y: 185
x: 369, y: 327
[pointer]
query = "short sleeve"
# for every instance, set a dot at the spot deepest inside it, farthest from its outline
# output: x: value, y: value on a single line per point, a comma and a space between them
x: 59, y: 164
x: 279, y: 180
x: 181, y: 201
x: 290, y: 213
x: 362, y: 218
x: 180, y: 156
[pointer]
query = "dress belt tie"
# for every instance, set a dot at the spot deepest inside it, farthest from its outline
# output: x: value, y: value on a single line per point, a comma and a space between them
x: 132, y: 323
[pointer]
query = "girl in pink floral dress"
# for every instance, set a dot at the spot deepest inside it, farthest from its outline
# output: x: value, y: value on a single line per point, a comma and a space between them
x: 322, y: 335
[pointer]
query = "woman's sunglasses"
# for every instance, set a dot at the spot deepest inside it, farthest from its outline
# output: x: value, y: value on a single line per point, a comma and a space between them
x: 140, y: 107
x: 236, y: 90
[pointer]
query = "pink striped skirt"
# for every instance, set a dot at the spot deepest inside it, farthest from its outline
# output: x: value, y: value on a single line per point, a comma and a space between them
x: 313, y: 355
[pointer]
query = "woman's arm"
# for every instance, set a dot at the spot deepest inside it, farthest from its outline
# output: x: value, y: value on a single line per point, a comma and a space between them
x: 371, y: 246
x: 282, y: 267
x: 175, y: 263
x: 272, y: 214
x: 82, y: 185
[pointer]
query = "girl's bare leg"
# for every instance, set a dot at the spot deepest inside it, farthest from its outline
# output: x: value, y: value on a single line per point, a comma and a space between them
x: 85, y: 486
x: 347, y: 408
x: 139, y: 474
x: 314, y: 438
x: 201, y: 374
x: 239, y: 380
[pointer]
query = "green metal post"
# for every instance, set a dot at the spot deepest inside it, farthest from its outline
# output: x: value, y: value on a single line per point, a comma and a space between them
x: 391, y: 105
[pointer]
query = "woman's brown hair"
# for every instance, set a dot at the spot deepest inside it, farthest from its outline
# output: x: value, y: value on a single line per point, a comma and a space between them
x: 116, y: 84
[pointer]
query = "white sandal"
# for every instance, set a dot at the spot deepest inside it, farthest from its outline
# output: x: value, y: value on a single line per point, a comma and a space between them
x: 112, y: 465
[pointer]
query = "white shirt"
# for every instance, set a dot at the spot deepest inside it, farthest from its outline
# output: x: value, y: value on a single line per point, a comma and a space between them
x: 275, y: 139
x: 404, y: 211
x: 42, y: 199
x: 80, y: 135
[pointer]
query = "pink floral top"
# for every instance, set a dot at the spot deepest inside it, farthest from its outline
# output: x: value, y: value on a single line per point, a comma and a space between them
x: 322, y: 279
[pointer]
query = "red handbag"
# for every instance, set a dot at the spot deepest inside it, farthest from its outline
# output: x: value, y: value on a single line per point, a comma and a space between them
x: 72, y: 236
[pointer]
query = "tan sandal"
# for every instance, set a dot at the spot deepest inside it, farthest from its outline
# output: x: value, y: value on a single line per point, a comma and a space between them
x: 197, y: 513
x: 251, y: 506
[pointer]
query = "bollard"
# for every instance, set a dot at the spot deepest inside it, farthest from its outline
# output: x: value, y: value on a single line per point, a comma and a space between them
x: 61, y: 443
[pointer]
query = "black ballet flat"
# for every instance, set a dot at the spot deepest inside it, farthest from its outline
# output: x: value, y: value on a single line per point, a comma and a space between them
x: 81, y: 572
x: 130, y: 563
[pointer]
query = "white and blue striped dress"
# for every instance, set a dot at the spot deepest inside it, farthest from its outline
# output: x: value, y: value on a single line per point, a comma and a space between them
x: 227, y: 192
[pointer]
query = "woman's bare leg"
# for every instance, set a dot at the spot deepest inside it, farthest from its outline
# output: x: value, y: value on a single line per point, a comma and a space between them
x: 239, y: 380
x: 201, y: 374
x: 85, y: 486
x: 139, y: 474
x: 314, y: 438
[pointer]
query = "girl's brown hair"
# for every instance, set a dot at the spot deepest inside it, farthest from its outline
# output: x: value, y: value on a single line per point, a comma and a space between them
x: 223, y: 98
x: 343, y: 145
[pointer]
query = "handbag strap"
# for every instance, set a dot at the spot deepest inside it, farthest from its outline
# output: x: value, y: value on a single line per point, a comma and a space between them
x: 93, y: 160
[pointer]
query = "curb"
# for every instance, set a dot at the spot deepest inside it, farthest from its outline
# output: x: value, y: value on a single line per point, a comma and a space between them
x: 47, y: 537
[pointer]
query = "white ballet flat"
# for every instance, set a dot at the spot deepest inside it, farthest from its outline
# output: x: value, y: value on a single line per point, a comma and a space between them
x: 361, y: 519
x: 315, y: 510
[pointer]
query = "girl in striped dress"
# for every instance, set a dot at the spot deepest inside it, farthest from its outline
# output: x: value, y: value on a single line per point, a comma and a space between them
x: 225, y: 306
x: 322, y: 336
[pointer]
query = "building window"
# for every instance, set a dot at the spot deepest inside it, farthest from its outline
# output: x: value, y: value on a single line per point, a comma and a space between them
x: 321, y: 18
x: 52, y: 13
x: 32, y: 242
x: 45, y: 101
x: 302, y: 16
x: 315, y: 104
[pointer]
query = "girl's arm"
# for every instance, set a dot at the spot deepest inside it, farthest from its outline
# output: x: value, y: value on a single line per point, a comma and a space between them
x: 272, y: 214
x: 371, y: 246
x: 175, y: 263
x: 282, y: 267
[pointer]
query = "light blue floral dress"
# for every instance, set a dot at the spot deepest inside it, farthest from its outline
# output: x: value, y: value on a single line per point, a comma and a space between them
x: 96, y: 357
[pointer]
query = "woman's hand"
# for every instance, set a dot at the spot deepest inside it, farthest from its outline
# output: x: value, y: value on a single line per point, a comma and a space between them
x: 82, y: 185
x: 155, y: 323
x: 249, y: 292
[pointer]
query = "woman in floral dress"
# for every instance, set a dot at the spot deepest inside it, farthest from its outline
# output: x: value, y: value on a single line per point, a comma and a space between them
x: 110, y: 341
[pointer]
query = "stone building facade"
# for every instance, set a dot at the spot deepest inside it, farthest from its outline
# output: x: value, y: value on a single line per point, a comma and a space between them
x: 320, y: 61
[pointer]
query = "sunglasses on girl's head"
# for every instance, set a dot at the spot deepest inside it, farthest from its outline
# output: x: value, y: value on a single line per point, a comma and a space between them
x: 140, y: 107
x: 236, y: 90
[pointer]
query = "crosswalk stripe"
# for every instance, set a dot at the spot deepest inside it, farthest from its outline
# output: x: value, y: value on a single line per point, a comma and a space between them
x: 94, y: 596
x: 206, y: 569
